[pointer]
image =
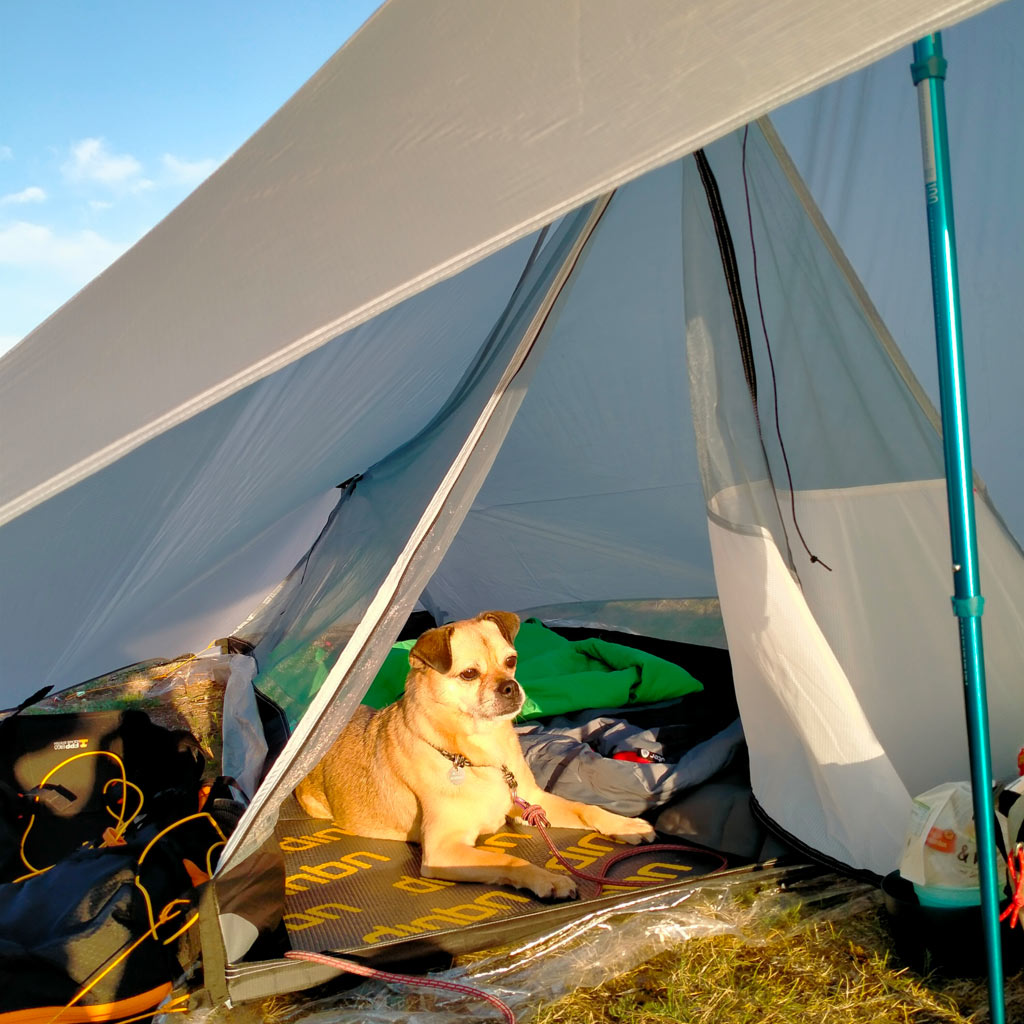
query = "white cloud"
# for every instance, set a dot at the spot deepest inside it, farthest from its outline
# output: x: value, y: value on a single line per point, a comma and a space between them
x: 6, y: 153
x: 79, y: 256
x: 187, y: 172
x: 100, y: 204
x: 91, y: 160
x: 32, y: 194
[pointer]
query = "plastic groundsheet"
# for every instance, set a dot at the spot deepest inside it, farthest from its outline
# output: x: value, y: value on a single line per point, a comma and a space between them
x: 366, y: 897
x: 605, y: 940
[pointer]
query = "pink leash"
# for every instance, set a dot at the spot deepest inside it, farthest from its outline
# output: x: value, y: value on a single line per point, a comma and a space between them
x: 355, y: 967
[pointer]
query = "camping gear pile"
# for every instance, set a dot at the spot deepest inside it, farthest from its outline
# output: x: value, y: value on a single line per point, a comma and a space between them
x: 607, y: 365
x: 108, y: 828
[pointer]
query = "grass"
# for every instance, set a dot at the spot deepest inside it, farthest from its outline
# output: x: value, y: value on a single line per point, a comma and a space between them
x: 799, y: 966
x: 752, y: 952
x: 830, y: 973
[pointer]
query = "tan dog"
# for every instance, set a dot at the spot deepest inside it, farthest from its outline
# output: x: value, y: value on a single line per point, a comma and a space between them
x: 428, y: 768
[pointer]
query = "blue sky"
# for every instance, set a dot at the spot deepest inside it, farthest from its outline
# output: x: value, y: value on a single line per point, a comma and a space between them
x: 112, y: 112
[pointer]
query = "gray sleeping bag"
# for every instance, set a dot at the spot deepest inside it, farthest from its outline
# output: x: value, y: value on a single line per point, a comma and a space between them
x: 573, y: 757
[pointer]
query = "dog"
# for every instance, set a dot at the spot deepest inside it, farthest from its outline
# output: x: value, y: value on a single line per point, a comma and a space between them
x: 439, y: 765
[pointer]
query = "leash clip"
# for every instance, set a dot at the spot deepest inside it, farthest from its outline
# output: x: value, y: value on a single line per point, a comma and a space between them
x: 510, y: 781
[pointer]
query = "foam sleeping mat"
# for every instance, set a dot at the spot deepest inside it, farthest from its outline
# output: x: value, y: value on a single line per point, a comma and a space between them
x: 365, y: 897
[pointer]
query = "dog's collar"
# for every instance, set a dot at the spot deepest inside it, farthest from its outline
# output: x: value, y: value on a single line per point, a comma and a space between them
x: 459, y: 761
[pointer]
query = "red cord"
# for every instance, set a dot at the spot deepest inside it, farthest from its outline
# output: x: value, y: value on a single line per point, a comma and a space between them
x: 1016, y: 873
x: 355, y: 967
x: 533, y: 814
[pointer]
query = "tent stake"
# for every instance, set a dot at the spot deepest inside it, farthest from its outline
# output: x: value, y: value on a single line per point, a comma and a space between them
x: 929, y: 71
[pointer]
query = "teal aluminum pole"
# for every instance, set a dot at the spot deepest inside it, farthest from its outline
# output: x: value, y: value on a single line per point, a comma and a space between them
x: 929, y: 72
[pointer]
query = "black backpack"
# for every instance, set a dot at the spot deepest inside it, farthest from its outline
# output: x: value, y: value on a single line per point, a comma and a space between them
x: 104, y: 930
x: 60, y: 780
x: 102, y: 847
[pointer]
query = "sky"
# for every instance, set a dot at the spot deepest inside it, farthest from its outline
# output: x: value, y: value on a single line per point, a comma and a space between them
x: 112, y: 112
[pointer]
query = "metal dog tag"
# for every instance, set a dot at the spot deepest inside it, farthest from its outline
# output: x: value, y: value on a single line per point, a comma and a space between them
x: 457, y: 775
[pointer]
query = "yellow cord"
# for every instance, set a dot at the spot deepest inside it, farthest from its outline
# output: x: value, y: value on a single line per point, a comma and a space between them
x: 152, y: 1013
x: 31, y: 874
x: 176, y: 1005
x: 46, y: 778
x: 184, y: 928
x: 175, y: 665
x: 175, y: 1002
x: 122, y: 822
x: 166, y: 914
x: 149, y: 846
x: 209, y: 856
x: 85, y: 989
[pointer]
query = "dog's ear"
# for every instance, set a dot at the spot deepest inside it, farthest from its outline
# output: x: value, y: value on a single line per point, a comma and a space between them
x: 434, y: 649
x: 507, y: 623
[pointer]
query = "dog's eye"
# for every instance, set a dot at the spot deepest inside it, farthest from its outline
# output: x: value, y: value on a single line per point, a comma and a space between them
x: 510, y: 661
x: 468, y: 674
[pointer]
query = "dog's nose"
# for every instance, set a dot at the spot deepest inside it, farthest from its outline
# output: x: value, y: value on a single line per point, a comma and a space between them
x: 508, y: 688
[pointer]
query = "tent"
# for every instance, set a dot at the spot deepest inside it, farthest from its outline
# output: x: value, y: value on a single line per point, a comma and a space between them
x: 474, y: 274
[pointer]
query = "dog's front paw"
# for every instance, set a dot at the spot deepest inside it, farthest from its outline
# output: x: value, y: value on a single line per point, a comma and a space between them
x: 550, y: 885
x: 629, y: 830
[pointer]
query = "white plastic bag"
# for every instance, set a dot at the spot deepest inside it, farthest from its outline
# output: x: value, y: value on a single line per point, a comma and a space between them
x: 941, y: 848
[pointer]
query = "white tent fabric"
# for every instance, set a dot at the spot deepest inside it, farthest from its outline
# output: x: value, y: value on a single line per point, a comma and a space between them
x: 176, y: 543
x: 174, y: 437
x: 857, y: 144
x: 547, y: 111
x: 857, y: 468
x: 813, y: 753
x: 844, y: 718
x: 309, y: 231
x: 599, y: 491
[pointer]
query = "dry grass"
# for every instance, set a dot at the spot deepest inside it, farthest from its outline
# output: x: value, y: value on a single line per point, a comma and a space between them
x: 829, y: 972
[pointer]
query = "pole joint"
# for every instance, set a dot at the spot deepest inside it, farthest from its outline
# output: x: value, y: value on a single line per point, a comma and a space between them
x: 929, y: 67
x: 968, y: 607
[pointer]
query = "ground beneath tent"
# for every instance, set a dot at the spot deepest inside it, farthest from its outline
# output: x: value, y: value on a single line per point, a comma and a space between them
x: 365, y: 897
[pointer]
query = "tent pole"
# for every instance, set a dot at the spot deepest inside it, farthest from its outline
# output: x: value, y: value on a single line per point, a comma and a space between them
x: 929, y: 71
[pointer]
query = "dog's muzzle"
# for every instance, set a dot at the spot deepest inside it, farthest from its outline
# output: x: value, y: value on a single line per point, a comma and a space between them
x: 508, y: 698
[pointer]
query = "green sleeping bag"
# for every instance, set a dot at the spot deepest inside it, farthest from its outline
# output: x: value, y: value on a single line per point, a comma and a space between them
x: 561, y: 676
